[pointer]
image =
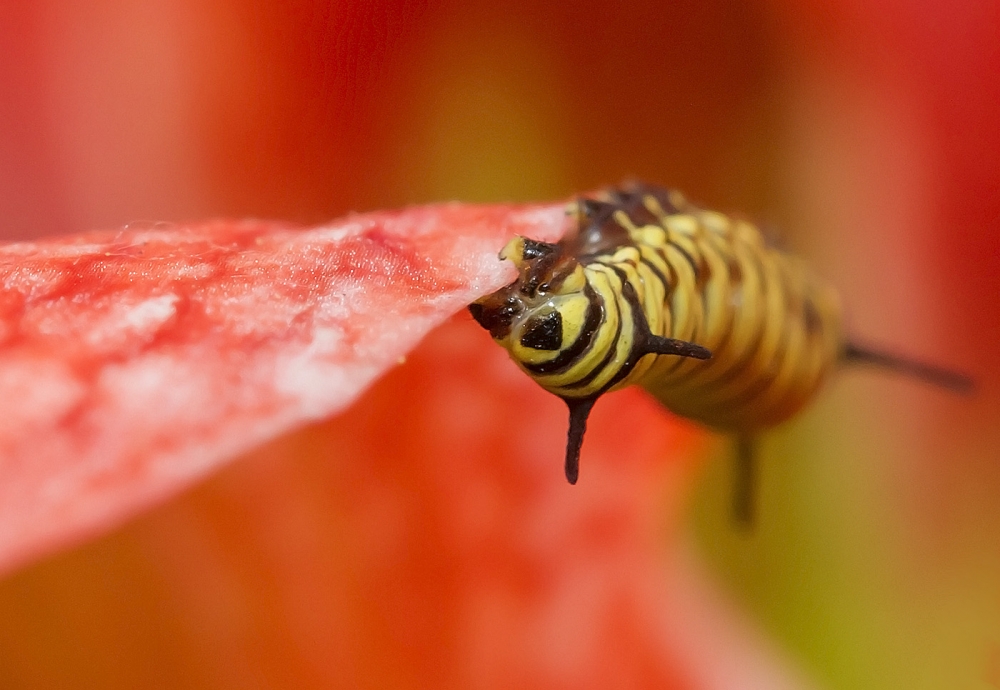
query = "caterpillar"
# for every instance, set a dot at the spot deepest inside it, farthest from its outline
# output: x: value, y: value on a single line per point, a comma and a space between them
x: 691, y: 304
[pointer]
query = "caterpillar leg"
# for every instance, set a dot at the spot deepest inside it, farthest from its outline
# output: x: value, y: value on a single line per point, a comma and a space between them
x: 929, y: 373
x: 745, y: 483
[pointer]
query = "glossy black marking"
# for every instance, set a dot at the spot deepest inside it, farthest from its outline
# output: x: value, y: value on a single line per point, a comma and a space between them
x: 541, y: 266
x: 929, y: 373
x: 496, y: 316
x: 595, y: 314
x: 535, y: 250
x: 633, y: 203
x: 543, y: 332
x: 599, y: 232
x: 597, y: 211
x: 477, y: 313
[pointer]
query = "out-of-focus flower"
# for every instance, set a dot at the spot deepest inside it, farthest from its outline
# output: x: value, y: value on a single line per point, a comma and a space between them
x: 377, y: 549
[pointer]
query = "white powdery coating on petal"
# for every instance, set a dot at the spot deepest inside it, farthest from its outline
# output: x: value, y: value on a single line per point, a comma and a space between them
x: 335, y: 233
x: 308, y: 375
x: 137, y: 321
x: 32, y: 281
x: 133, y: 362
x: 35, y: 392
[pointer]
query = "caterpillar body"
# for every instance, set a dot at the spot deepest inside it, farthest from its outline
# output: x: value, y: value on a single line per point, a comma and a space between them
x: 690, y: 304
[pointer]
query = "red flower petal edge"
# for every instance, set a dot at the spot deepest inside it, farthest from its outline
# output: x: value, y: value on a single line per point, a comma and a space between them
x: 134, y: 362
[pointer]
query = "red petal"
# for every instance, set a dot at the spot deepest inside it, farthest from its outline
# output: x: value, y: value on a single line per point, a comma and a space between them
x: 133, y: 362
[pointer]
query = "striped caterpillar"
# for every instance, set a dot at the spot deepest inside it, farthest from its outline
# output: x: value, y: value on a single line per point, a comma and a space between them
x: 690, y: 304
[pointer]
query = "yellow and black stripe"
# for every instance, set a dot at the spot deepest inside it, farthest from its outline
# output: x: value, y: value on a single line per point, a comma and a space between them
x: 691, y: 304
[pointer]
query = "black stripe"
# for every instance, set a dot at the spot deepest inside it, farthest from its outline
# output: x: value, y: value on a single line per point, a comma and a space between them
x: 694, y: 265
x: 740, y: 400
x: 659, y: 193
x: 668, y: 290
x: 610, y: 355
x: 694, y: 336
x: 595, y: 317
x: 735, y: 280
x: 736, y: 405
x: 670, y: 286
x: 726, y: 376
x: 640, y: 331
x: 632, y: 202
x: 742, y: 397
x: 667, y: 287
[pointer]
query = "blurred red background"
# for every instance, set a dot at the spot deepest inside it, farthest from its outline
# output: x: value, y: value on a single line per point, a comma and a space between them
x: 865, y: 132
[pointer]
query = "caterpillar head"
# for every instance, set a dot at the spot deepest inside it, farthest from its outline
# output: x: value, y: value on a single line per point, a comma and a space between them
x: 543, y: 310
x: 538, y: 316
x: 549, y: 316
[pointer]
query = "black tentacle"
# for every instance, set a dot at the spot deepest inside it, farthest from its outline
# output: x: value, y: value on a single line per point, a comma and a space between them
x: 579, y: 410
x: 929, y: 373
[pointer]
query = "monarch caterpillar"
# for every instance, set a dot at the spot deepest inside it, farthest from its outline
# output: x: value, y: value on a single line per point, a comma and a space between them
x: 690, y: 304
